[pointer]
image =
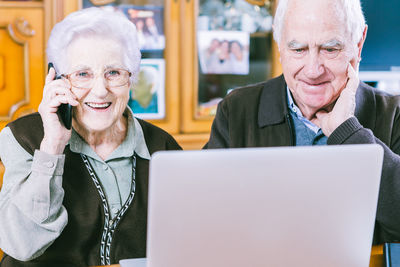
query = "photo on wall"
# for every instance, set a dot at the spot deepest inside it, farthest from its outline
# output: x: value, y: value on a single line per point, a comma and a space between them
x: 149, y: 23
x: 223, y: 52
x: 98, y: 3
x: 147, y: 95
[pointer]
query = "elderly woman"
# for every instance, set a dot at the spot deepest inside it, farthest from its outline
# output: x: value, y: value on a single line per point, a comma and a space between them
x: 79, y: 197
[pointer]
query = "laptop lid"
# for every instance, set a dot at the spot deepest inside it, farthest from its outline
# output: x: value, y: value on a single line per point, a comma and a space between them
x: 286, y: 206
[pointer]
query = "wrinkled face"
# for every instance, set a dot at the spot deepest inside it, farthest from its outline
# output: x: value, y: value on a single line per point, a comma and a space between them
x: 100, y: 106
x: 315, y: 51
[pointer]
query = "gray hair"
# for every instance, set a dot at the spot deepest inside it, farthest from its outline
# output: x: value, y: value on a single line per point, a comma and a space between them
x: 353, y: 14
x: 99, y: 22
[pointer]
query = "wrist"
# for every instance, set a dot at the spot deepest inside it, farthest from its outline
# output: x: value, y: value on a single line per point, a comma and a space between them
x: 52, y: 146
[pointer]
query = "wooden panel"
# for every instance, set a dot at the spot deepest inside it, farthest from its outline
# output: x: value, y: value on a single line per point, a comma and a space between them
x: 1, y: 183
x: 14, y: 91
x: 172, y: 73
x: 189, y: 71
x: 276, y: 61
x: 22, y: 50
x: 192, y: 141
x: 377, y: 259
x: 1, y: 72
x: 276, y: 58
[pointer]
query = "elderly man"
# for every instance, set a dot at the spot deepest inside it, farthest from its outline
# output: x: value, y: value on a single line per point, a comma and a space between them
x: 319, y: 99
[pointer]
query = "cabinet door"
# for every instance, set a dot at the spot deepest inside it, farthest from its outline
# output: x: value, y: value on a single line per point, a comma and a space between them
x: 226, y: 44
x: 21, y: 60
x: 155, y: 97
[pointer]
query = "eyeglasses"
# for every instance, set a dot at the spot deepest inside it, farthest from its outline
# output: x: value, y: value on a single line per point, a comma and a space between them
x: 84, y: 79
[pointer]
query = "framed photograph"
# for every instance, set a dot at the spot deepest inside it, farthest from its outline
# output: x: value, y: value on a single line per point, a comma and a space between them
x: 98, y: 3
x: 147, y: 96
x: 149, y: 23
x: 223, y: 52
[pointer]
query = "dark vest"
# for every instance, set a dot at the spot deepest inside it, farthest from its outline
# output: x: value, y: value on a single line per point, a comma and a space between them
x: 79, y: 243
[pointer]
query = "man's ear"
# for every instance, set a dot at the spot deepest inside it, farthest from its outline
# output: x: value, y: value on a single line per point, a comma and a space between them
x: 361, y: 42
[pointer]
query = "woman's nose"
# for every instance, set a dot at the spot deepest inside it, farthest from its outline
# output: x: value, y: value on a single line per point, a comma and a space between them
x: 99, y: 87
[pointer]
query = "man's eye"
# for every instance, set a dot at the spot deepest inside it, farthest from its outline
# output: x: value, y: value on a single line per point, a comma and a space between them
x: 299, y: 50
x: 331, y: 50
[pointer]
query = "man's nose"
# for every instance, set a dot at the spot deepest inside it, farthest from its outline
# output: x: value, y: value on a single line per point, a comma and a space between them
x: 314, y: 66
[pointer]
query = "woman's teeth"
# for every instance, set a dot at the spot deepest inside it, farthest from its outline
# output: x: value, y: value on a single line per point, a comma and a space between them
x: 99, y: 105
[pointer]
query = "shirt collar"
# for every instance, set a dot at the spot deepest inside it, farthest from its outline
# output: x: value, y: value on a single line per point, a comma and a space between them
x: 133, y: 142
x: 297, y: 112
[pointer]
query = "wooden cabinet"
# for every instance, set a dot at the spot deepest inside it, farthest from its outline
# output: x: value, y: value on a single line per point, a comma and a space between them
x: 22, y: 42
x: 25, y: 27
x: 21, y: 58
x: 183, y: 93
x: 202, y: 89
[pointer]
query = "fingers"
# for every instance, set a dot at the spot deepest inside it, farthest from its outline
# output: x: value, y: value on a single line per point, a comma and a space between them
x: 353, y: 81
x: 320, y: 117
x: 55, y: 88
x: 56, y: 92
x: 50, y: 76
x: 323, y: 120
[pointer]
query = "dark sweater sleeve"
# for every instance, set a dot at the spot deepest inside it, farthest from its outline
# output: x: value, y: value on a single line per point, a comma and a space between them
x: 219, y: 137
x: 388, y: 212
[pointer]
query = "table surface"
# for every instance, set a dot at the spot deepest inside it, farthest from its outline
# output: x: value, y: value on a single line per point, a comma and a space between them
x: 376, y: 257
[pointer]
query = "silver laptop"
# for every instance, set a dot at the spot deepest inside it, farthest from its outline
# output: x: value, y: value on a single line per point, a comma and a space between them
x: 287, y: 206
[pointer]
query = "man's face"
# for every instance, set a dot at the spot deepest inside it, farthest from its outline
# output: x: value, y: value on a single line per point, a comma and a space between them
x: 316, y: 49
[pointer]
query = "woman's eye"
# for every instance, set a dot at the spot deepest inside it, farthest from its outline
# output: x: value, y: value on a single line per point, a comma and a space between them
x: 113, y: 73
x: 82, y: 74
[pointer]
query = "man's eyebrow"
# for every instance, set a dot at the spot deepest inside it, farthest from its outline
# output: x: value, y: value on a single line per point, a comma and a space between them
x: 295, y: 45
x: 333, y: 43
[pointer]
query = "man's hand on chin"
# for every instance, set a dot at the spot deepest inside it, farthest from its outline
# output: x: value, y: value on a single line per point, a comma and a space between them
x: 344, y: 107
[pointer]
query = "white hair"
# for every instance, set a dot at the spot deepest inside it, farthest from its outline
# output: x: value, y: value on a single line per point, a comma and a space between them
x: 100, y: 22
x: 354, y: 19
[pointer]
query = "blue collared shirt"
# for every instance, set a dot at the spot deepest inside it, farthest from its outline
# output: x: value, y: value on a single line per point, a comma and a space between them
x: 306, y: 132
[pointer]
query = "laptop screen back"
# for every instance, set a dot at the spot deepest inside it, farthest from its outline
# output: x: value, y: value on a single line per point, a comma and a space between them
x: 293, y: 206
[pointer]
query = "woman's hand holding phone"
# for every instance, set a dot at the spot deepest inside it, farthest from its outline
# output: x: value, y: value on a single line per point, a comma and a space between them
x: 55, y: 93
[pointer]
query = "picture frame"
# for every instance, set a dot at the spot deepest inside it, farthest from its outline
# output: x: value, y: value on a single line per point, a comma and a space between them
x: 223, y: 52
x: 149, y: 22
x: 147, y: 95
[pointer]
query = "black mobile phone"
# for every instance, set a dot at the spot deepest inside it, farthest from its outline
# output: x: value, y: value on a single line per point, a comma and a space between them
x: 64, y: 111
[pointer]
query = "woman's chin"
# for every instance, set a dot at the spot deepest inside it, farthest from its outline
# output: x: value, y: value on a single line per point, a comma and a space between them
x: 93, y: 126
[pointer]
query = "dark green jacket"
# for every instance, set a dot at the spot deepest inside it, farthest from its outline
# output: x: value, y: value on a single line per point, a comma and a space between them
x: 258, y: 116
